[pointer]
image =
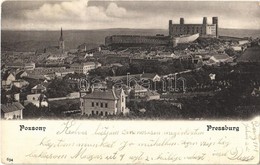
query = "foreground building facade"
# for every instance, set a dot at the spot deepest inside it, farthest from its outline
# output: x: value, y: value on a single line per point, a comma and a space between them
x: 103, y: 103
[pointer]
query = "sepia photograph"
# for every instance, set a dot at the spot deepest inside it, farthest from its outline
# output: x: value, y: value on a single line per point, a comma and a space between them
x: 70, y: 65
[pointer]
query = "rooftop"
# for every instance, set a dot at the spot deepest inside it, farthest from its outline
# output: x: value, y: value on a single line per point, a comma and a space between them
x: 15, y: 106
x: 101, y: 95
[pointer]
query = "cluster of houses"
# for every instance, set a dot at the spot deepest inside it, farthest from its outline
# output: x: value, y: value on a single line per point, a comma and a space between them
x: 19, y: 76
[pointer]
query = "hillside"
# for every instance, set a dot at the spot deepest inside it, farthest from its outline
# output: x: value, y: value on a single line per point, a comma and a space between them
x: 33, y: 40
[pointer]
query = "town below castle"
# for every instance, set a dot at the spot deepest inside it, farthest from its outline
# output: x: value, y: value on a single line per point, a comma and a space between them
x: 192, y: 73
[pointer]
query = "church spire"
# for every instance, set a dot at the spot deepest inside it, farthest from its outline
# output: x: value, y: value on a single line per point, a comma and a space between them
x: 61, y: 42
x: 61, y: 35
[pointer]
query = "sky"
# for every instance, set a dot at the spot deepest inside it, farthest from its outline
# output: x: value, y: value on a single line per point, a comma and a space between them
x: 89, y: 14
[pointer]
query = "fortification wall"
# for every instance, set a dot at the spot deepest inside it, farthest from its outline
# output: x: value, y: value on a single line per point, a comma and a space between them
x: 139, y: 40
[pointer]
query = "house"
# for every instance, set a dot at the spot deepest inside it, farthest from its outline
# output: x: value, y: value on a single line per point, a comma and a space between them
x: 237, y: 48
x: 73, y: 95
x: 243, y: 42
x: 17, y: 65
x: 219, y: 58
x: 99, y: 86
x: 7, y: 80
x: 29, y: 66
x: 12, y: 110
x: 37, y: 99
x: 21, y: 74
x: 84, y: 67
x: 150, y: 76
x: 20, y: 83
x: 39, y: 88
x: 103, y: 103
x: 139, y: 92
x: 63, y: 73
x: 129, y: 78
x: 255, y: 92
x: 152, y: 95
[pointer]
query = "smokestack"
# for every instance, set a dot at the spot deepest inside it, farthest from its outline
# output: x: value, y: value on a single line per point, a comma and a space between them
x: 205, y: 21
x: 181, y: 21
x: 215, y: 21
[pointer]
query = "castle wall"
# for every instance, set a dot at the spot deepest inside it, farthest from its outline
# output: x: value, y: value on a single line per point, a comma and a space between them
x: 183, y: 29
x: 139, y: 40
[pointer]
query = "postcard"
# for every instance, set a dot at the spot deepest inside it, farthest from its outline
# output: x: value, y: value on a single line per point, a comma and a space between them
x: 130, y: 82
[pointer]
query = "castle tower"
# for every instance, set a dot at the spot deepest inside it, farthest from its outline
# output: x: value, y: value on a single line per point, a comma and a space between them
x: 181, y: 21
x: 205, y: 22
x: 61, y: 42
x: 215, y: 21
x: 170, y: 28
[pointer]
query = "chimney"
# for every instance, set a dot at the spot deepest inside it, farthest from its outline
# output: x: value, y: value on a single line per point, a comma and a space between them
x: 181, y: 21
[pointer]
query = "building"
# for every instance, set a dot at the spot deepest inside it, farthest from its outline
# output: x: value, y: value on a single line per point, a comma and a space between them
x: 219, y: 58
x: 39, y: 88
x: 63, y: 73
x: 151, y: 76
x: 84, y: 67
x: 12, y: 110
x: 139, y: 92
x: 103, y: 103
x: 203, y: 29
x: 136, y: 40
x: 53, y: 50
x: 178, y: 33
x: 61, y: 42
x: 39, y: 100
x: 152, y: 95
x: 7, y: 80
x: 29, y: 66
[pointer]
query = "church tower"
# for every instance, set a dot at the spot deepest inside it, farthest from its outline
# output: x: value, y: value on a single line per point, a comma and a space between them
x: 61, y: 42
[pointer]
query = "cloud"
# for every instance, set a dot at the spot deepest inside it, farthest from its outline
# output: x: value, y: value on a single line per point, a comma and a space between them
x: 66, y: 11
x: 115, y: 11
x: 84, y: 14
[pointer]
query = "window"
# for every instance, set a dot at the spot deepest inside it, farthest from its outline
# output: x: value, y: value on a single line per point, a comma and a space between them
x: 101, y: 104
x: 92, y: 104
x: 122, y: 98
x: 101, y: 113
x: 92, y: 112
x: 96, y: 103
x: 105, y: 113
x: 97, y: 112
x: 106, y: 105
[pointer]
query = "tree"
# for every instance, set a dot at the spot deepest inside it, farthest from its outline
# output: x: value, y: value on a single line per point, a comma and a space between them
x: 58, y: 88
x: 31, y: 111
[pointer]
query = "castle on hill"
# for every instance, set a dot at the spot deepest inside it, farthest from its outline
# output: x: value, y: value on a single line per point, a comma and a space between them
x: 178, y: 33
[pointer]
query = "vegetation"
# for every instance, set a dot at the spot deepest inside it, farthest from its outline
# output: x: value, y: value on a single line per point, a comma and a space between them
x: 60, y: 88
x: 33, y: 112
x: 158, y: 67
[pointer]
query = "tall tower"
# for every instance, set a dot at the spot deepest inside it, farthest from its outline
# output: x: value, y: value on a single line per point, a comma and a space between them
x: 170, y: 28
x: 61, y: 42
x: 215, y: 21
x: 205, y: 21
x: 182, y: 21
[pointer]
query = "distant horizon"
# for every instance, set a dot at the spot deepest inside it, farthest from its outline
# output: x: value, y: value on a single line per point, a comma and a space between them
x: 109, y: 29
